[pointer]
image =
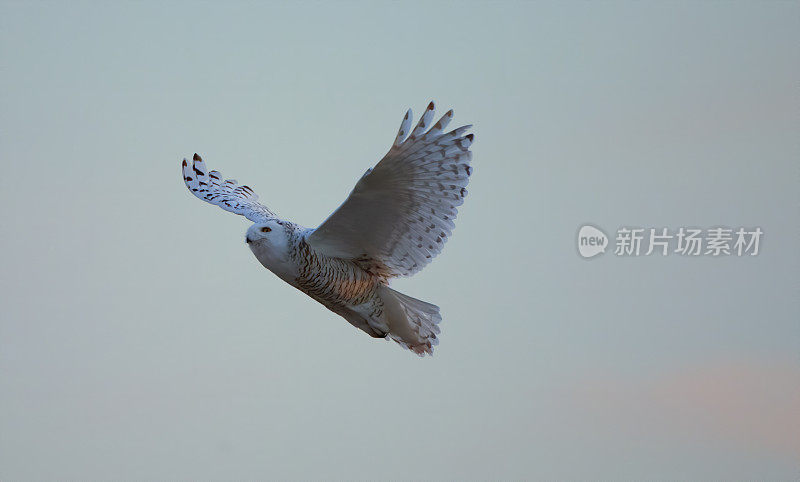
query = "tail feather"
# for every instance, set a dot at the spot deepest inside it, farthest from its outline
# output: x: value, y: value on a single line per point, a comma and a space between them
x: 412, y: 323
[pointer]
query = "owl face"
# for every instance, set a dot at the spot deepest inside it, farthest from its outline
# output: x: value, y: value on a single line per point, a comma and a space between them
x: 270, y: 234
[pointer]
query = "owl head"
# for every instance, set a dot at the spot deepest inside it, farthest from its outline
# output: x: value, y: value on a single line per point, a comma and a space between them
x: 271, y: 234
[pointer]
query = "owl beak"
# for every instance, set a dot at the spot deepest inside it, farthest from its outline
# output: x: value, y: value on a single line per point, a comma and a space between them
x: 247, y: 240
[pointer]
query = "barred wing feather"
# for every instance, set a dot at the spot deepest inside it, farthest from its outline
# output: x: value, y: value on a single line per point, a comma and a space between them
x: 402, y: 211
x: 227, y: 194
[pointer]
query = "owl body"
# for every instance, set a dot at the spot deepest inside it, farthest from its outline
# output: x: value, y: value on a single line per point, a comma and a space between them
x: 346, y: 287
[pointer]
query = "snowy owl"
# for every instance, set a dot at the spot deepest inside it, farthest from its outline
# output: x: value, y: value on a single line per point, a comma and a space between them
x: 396, y: 219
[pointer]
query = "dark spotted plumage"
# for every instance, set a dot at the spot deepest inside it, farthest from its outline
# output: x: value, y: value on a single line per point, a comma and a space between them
x: 333, y: 280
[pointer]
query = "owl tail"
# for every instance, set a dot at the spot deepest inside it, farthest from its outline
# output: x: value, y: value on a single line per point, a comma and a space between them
x: 412, y: 323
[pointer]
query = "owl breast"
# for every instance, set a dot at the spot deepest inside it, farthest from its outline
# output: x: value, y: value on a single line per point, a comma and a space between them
x: 333, y: 281
x: 276, y: 261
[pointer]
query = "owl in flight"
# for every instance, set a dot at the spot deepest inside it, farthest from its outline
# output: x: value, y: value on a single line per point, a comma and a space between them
x: 396, y: 219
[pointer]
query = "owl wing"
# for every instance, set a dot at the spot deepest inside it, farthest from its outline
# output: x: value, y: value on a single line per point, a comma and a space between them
x: 401, y: 212
x: 227, y: 194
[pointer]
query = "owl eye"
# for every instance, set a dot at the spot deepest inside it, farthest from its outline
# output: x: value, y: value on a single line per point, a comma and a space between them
x: 266, y: 229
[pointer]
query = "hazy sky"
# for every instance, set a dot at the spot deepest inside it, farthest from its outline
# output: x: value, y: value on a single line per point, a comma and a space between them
x: 140, y: 339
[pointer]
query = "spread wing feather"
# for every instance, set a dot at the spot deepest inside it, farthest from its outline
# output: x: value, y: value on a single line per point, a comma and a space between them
x: 227, y: 194
x: 400, y: 214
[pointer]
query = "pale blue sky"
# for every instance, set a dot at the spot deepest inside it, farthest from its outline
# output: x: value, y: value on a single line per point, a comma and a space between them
x: 140, y: 339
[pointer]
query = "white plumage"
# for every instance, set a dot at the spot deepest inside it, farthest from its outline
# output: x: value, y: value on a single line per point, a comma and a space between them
x: 396, y: 219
